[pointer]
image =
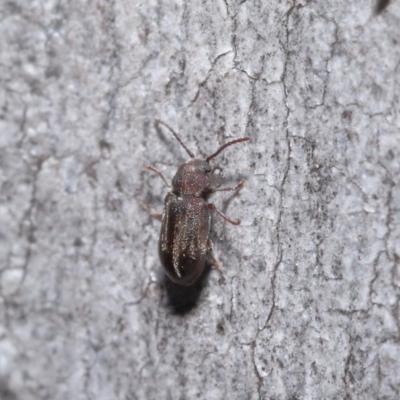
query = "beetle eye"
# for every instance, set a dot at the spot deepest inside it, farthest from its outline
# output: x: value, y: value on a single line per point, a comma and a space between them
x: 207, y: 168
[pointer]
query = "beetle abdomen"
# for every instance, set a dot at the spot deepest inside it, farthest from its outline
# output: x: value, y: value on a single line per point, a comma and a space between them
x: 183, y: 240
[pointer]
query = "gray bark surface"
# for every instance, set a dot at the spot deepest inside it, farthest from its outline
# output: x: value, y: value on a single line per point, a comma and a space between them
x: 306, y: 305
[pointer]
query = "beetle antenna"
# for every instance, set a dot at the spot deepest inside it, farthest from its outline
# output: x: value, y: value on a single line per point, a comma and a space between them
x: 223, y: 147
x: 177, y: 137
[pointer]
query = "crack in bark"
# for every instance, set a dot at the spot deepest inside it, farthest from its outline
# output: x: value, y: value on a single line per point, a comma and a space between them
x: 331, y: 55
x: 346, y: 371
x: 285, y: 174
x: 209, y: 72
x: 111, y: 31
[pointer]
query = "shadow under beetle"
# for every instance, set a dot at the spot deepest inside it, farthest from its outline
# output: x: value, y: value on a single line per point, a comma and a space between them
x: 186, y: 219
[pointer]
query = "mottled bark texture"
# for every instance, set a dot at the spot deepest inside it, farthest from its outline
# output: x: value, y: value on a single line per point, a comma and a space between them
x: 307, y: 303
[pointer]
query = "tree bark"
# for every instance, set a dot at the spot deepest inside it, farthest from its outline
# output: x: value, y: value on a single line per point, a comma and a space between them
x: 307, y: 302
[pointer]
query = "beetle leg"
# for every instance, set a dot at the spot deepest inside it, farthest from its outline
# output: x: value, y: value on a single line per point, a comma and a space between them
x: 227, y: 219
x: 152, y: 214
x: 157, y: 216
x: 214, y: 262
x: 159, y: 173
x: 228, y: 189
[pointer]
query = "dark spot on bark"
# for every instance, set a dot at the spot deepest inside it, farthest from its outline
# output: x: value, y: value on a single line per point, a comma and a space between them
x: 118, y: 185
x: 53, y: 72
x: 220, y: 328
x: 113, y: 204
x: 347, y: 115
x: 390, y: 155
x: 104, y: 145
x: 78, y: 242
x: 5, y: 392
x: 381, y: 5
x: 12, y: 8
x: 91, y: 171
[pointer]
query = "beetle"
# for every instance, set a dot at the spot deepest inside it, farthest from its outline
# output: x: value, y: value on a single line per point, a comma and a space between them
x: 186, y: 219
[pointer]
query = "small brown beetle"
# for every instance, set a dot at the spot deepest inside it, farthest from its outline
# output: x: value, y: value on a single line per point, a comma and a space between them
x: 186, y: 219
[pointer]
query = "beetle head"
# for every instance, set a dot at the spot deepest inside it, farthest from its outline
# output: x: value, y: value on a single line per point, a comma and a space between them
x: 192, y: 178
